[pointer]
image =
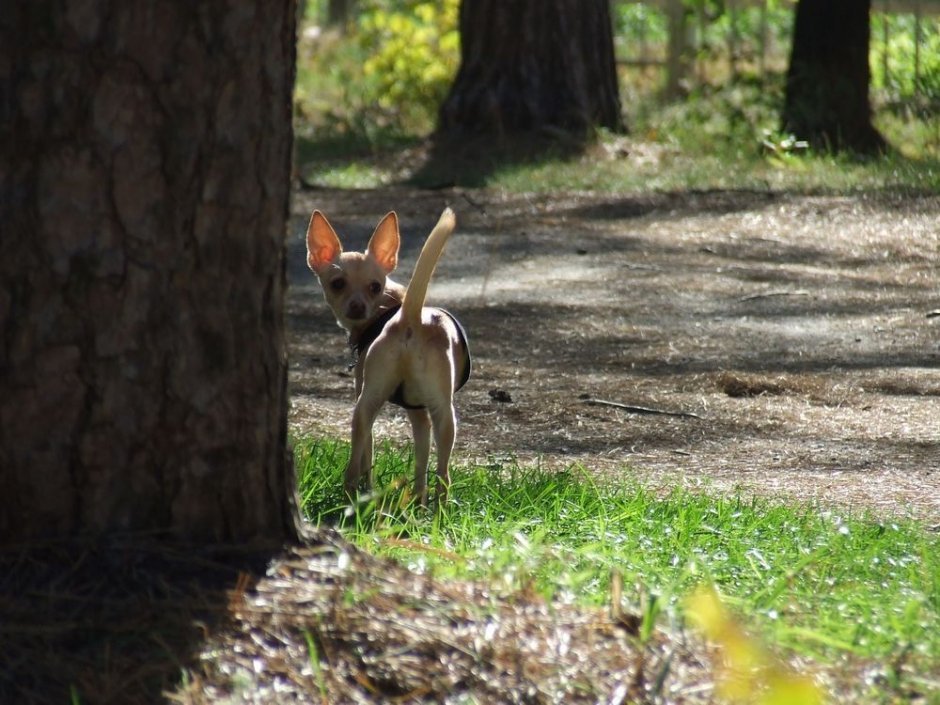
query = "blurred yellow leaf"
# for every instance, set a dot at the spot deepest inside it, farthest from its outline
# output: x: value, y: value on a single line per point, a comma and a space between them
x: 747, y: 673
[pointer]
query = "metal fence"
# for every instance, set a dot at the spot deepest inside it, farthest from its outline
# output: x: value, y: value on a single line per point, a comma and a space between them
x: 692, y: 44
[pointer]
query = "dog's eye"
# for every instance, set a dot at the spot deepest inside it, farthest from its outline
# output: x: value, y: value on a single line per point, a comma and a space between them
x: 338, y: 284
x: 375, y: 288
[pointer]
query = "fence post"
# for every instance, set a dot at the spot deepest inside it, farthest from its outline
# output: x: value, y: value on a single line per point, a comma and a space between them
x: 732, y: 9
x: 762, y: 64
x: 884, y: 44
x: 917, y: 38
x: 675, y: 60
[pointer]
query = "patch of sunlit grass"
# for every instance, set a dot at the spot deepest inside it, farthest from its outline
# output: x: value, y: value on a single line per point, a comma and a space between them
x: 823, y: 584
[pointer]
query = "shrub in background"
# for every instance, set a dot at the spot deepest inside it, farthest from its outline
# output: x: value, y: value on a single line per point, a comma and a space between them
x: 387, y: 71
x: 413, y: 49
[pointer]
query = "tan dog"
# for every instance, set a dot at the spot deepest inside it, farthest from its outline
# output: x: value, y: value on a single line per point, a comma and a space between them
x: 413, y: 356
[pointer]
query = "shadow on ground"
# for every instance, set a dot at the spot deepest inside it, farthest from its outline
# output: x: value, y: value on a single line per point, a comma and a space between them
x: 116, y: 624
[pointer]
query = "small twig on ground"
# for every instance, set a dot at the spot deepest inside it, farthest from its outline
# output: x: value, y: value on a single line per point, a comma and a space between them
x: 775, y: 292
x: 476, y: 204
x: 641, y: 409
x: 634, y: 267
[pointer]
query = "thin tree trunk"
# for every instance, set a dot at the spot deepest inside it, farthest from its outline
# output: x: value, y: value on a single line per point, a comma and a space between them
x: 533, y: 65
x: 677, y: 59
x: 827, y: 91
x: 143, y: 202
x: 339, y: 12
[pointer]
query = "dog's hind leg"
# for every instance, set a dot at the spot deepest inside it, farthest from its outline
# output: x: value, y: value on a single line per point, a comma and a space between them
x: 421, y: 430
x: 445, y: 424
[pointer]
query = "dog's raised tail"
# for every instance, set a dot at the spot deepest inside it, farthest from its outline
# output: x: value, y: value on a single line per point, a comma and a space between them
x: 417, y: 290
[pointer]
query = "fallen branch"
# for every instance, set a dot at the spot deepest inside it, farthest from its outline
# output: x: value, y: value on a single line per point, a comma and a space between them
x: 641, y: 409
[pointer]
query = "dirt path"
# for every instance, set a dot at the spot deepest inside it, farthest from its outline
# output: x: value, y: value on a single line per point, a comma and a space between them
x: 801, y: 332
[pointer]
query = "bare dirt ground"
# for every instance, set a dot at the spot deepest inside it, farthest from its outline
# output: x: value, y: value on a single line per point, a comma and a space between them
x: 800, y: 331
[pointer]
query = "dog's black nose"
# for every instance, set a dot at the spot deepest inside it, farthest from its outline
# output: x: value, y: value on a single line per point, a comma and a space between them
x: 356, y: 310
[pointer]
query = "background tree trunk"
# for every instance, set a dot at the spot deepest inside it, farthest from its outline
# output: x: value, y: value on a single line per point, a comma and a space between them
x: 534, y: 65
x: 339, y: 12
x: 677, y: 53
x: 143, y: 201
x: 827, y: 101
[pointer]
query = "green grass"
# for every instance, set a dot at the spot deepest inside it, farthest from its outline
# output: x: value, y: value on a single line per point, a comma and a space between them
x: 729, y: 168
x: 821, y: 583
x: 665, y: 164
x: 726, y: 138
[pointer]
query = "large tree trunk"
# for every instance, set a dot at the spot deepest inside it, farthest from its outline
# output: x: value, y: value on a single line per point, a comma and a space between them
x: 143, y: 201
x: 533, y: 65
x: 827, y: 100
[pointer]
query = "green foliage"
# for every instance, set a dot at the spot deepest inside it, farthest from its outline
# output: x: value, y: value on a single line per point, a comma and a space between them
x: 366, y: 97
x: 902, y: 82
x: 827, y: 584
x: 413, y: 52
x: 714, y: 120
x: 386, y: 73
x: 638, y: 29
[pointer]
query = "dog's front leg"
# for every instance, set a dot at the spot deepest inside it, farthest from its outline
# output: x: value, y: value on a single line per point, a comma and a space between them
x: 373, y: 387
x: 421, y: 431
x: 359, y: 470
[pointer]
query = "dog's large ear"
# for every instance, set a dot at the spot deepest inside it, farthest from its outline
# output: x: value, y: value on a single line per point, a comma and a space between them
x: 383, y: 245
x: 322, y: 244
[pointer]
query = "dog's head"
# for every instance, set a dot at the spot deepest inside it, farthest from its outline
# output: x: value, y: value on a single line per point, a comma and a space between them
x: 355, y: 284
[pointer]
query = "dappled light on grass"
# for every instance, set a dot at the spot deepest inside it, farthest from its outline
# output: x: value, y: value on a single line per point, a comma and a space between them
x: 825, y: 585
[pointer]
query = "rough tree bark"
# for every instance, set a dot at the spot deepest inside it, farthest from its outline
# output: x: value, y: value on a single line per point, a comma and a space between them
x: 533, y: 65
x: 827, y: 99
x: 143, y: 202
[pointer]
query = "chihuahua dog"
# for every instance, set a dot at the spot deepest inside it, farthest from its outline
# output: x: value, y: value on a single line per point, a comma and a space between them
x: 413, y: 356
